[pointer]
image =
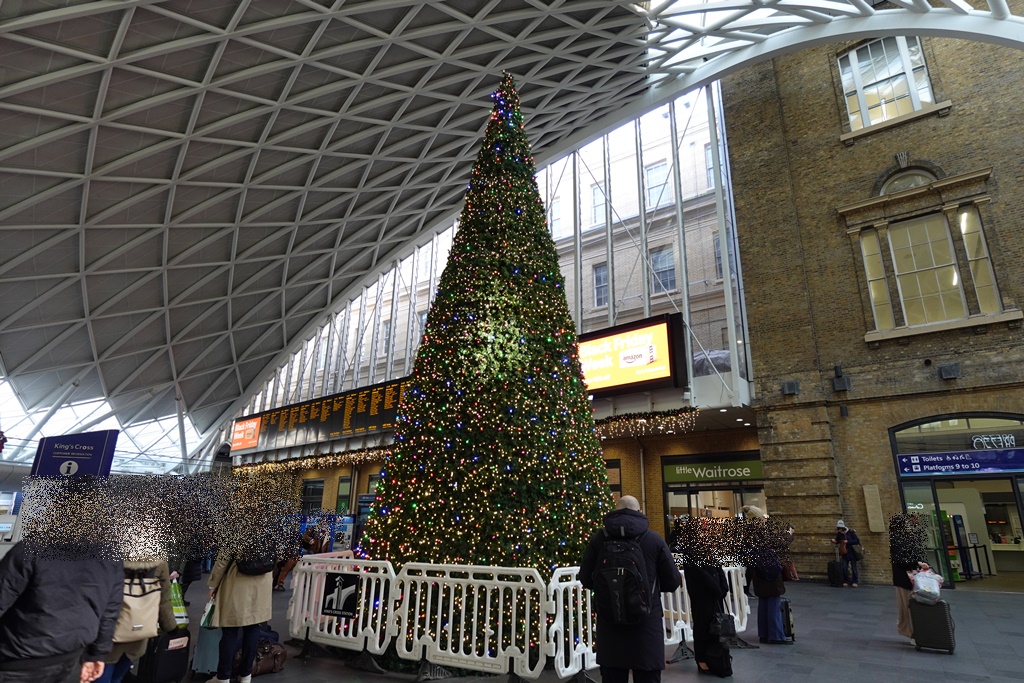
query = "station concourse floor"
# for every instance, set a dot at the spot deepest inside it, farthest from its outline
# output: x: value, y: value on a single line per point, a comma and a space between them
x: 842, y: 634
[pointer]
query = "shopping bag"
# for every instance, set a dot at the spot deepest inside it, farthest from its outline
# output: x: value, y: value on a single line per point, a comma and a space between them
x: 926, y: 587
x: 207, y: 620
x: 178, y: 603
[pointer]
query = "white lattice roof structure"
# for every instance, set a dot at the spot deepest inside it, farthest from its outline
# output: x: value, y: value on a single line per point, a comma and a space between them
x: 187, y: 186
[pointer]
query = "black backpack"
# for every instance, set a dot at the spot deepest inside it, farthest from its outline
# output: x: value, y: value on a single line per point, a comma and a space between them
x: 621, y: 586
x: 254, y: 566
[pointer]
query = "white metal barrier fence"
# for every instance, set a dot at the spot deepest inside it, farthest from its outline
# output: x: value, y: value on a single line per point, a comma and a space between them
x: 736, y: 600
x: 492, y: 619
x: 319, y: 587
x: 480, y: 618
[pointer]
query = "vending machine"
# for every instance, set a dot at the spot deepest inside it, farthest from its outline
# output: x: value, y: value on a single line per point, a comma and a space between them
x: 963, y: 548
x: 363, y: 504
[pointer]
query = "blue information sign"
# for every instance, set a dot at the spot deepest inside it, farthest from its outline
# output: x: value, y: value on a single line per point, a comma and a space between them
x: 991, y: 461
x: 75, y: 454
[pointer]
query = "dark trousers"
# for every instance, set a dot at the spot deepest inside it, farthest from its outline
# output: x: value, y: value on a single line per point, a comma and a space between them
x: 231, y: 639
x: 55, y: 673
x: 613, y: 674
x: 701, y: 627
x: 850, y: 571
x: 769, y: 618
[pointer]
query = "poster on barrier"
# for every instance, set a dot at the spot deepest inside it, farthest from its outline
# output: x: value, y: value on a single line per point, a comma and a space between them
x: 340, y: 595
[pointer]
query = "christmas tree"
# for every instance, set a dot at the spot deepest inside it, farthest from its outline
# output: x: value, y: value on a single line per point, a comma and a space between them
x: 495, y: 459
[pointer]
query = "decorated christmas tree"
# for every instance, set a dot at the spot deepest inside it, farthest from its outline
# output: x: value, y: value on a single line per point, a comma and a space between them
x: 495, y: 459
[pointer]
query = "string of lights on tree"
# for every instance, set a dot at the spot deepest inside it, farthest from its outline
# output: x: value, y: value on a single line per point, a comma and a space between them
x: 495, y: 459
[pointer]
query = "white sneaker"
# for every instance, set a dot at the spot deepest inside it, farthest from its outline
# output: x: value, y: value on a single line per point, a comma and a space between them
x: 219, y: 680
x: 245, y: 679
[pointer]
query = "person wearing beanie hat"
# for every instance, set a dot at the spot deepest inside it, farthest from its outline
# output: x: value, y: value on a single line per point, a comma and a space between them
x: 845, y: 539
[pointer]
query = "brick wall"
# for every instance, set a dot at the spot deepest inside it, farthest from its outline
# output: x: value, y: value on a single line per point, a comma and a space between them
x: 804, y: 277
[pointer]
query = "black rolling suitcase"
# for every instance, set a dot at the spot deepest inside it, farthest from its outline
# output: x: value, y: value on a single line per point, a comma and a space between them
x: 835, y: 572
x: 166, y: 659
x: 787, y: 618
x: 933, y: 626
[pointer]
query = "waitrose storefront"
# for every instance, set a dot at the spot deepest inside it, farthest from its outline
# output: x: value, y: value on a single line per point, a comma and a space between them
x: 712, y: 485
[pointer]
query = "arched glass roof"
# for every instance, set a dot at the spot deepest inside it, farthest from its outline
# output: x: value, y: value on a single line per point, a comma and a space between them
x: 188, y: 188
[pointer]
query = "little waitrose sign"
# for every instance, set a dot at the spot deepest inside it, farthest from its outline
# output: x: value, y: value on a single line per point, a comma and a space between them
x: 713, y: 471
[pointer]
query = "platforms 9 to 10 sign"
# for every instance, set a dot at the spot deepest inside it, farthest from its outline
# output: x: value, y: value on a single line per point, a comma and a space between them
x: 963, y: 462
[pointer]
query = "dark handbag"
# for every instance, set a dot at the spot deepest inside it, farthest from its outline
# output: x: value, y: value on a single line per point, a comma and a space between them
x: 789, y: 572
x: 858, y: 551
x: 722, y: 625
x: 270, y: 658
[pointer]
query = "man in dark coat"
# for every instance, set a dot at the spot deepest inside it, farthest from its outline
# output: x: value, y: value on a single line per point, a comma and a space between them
x: 637, y: 647
x: 58, y: 611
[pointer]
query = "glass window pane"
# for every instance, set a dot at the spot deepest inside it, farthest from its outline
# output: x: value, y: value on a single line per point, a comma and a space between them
x: 899, y: 237
x: 942, y: 251
x: 910, y: 286
x: 903, y: 260
x: 924, y: 87
x: 846, y: 73
x: 873, y: 266
x: 869, y: 242
x: 953, y: 304
x: 922, y: 255
x: 929, y: 283
x: 913, y: 311
x: 988, y: 299
x: 933, y: 310
x: 974, y: 245
x: 663, y: 271
x: 872, y: 97
x: 884, y: 319
x: 878, y: 291
x: 889, y: 111
x: 981, y: 272
x: 936, y: 228
x: 884, y: 79
x: 900, y: 88
x: 891, y: 60
x: 948, y: 278
x: 904, y: 105
x: 914, y: 50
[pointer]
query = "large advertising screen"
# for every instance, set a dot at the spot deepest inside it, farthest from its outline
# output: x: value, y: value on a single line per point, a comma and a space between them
x: 246, y: 434
x: 638, y: 353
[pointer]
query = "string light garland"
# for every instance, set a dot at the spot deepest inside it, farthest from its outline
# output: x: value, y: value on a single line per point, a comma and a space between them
x: 617, y: 426
x: 677, y: 421
x: 318, y: 462
x: 495, y: 459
